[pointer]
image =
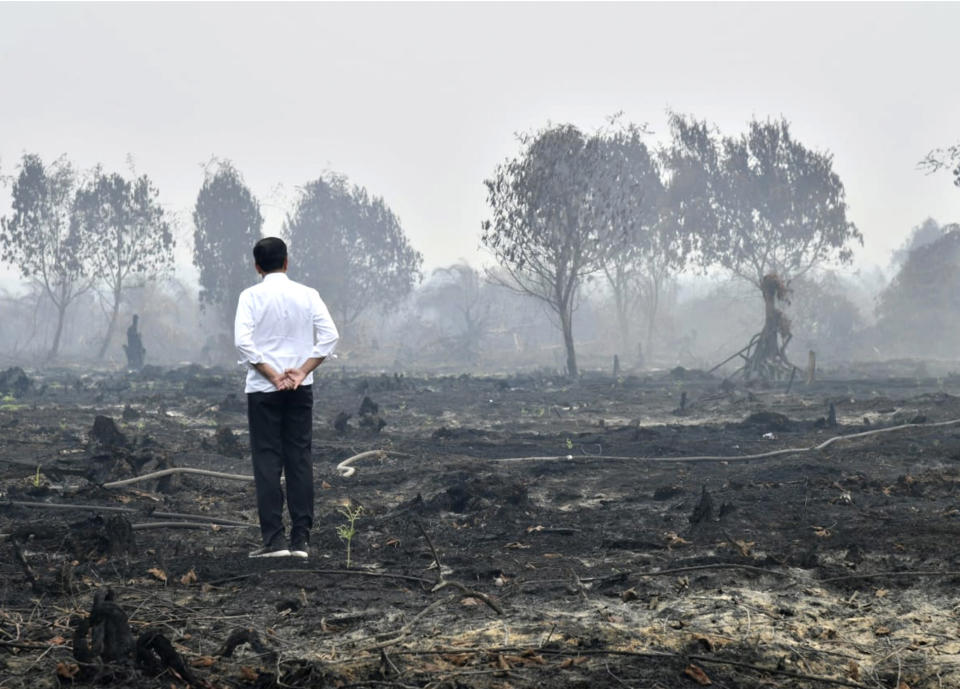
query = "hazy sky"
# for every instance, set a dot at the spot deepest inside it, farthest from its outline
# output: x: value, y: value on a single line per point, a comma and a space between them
x: 419, y: 102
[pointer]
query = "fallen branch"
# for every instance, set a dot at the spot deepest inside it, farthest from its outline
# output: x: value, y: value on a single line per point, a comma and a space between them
x: 177, y: 470
x: 660, y: 655
x: 405, y: 630
x: 436, y: 558
x: 883, y: 575
x: 470, y: 593
x: 352, y: 572
x: 188, y: 525
x: 203, y: 519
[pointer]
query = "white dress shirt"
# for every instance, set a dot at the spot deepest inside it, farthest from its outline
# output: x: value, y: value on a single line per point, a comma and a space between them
x: 281, y: 323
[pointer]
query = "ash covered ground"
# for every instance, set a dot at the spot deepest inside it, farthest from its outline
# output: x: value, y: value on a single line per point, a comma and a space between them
x: 587, y: 566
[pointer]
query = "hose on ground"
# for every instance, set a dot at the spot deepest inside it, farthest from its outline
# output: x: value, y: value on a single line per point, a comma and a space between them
x: 346, y: 470
x: 738, y: 458
x: 343, y: 467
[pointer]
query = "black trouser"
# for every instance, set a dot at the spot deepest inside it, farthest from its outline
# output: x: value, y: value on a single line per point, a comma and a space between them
x: 281, y: 433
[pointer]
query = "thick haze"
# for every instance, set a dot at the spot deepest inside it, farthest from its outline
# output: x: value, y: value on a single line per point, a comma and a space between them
x: 419, y: 102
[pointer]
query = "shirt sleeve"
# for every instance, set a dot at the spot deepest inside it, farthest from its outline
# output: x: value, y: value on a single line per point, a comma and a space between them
x: 325, y: 333
x: 243, y: 332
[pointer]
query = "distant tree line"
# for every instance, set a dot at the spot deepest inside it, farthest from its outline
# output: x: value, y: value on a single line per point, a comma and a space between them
x: 572, y: 214
x: 72, y: 234
x: 572, y: 206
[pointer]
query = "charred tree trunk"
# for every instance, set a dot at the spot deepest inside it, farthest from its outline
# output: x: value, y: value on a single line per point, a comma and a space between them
x: 111, y: 326
x: 767, y: 358
x: 55, y: 347
x: 566, y: 324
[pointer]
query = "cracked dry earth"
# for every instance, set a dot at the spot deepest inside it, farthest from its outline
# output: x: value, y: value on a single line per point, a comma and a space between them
x: 825, y: 568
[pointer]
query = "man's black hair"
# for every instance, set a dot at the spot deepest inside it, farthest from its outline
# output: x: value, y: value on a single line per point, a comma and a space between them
x: 270, y: 253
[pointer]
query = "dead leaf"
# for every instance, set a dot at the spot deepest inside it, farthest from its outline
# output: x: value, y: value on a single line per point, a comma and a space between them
x: 523, y: 661
x: 552, y: 556
x: 67, y: 670
x: 531, y: 529
x: 673, y: 539
x: 469, y: 601
x: 745, y: 547
x: 189, y: 578
x: 882, y: 631
x: 325, y: 486
x: 57, y: 641
x: 158, y: 574
x: 821, y: 531
x: 395, y: 542
x: 629, y: 595
x: 203, y: 661
x: 697, y: 675
x: 903, y: 685
x: 249, y: 673
x: 880, y: 593
x: 502, y: 663
x: 853, y: 671
x: 458, y: 659
x: 516, y: 545
x: 572, y: 662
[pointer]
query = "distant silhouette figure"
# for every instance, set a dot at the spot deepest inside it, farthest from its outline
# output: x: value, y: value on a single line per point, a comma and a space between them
x: 134, y: 347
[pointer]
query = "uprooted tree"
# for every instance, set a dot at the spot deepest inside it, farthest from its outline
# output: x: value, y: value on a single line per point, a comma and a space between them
x: 352, y: 248
x: 41, y: 240
x: 551, y: 227
x: 764, y: 207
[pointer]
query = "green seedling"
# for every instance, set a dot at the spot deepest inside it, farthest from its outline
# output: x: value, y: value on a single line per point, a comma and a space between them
x: 36, y: 478
x: 569, y: 444
x: 347, y: 531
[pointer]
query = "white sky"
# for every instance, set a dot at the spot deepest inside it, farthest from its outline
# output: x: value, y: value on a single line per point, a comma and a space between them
x: 419, y: 102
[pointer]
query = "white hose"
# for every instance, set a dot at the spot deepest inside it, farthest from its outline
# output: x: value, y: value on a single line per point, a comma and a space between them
x: 738, y: 458
x: 347, y: 471
x: 343, y: 467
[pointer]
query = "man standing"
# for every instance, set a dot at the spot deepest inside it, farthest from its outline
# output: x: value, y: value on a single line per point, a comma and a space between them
x: 282, y: 332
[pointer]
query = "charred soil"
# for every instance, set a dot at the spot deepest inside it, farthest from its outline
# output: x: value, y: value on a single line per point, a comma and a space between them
x: 516, y: 531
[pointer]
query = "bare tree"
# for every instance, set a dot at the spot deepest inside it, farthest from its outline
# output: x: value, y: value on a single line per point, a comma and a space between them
x: 458, y: 294
x: 944, y: 159
x: 127, y: 235
x: 39, y: 238
x: 764, y: 207
x: 550, y: 229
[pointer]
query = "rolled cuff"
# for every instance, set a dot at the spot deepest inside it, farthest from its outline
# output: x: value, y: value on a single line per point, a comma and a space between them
x: 323, y: 349
x: 249, y: 357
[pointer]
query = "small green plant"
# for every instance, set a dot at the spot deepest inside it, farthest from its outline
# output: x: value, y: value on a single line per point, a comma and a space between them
x: 347, y: 531
x: 36, y: 478
x: 569, y: 444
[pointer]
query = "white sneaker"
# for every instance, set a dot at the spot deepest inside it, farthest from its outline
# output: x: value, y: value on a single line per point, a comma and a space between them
x: 270, y: 551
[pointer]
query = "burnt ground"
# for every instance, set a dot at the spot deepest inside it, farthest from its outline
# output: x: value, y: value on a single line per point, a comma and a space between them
x: 836, y: 567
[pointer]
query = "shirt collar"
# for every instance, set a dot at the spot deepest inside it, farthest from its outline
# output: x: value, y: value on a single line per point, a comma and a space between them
x: 275, y: 276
